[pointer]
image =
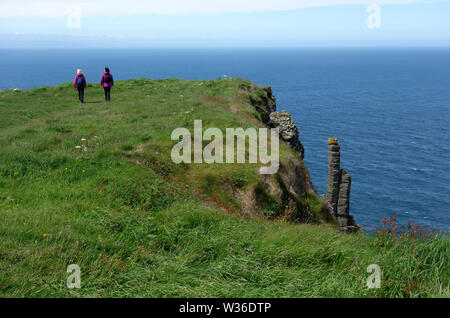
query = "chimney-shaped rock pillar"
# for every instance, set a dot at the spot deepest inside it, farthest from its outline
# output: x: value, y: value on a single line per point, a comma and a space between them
x: 334, y: 171
x: 338, y: 188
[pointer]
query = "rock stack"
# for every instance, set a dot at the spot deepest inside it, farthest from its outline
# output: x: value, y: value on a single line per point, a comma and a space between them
x: 334, y: 164
x: 338, y: 188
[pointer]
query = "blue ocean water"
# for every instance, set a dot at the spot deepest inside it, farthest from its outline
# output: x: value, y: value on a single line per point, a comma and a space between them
x: 389, y: 108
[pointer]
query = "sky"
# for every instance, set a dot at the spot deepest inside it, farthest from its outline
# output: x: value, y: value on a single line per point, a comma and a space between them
x: 223, y: 23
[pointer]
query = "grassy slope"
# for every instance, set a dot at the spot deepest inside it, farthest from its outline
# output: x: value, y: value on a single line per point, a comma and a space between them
x: 125, y: 214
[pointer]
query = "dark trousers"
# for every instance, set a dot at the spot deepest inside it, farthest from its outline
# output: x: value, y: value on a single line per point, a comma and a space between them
x: 107, y: 93
x: 81, y: 93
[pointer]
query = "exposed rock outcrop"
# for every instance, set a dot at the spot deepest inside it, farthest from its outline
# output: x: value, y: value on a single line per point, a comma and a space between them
x: 265, y: 104
x: 288, y: 130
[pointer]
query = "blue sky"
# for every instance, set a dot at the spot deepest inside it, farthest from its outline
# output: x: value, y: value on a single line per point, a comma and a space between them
x: 231, y: 23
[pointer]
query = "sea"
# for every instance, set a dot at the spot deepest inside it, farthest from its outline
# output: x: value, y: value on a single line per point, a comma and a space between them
x: 388, y: 107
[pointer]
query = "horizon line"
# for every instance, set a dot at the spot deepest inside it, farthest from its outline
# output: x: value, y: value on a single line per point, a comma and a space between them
x: 233, y: 47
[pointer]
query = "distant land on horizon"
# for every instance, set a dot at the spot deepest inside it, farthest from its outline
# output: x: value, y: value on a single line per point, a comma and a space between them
x: 31, y: 41
x: 208, y: 24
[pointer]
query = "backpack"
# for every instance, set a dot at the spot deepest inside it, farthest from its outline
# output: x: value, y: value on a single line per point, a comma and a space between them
x: 107, y: 78
x: 80, y: 80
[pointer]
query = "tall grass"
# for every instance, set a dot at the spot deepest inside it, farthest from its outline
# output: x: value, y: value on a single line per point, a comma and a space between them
x: 140, y: 226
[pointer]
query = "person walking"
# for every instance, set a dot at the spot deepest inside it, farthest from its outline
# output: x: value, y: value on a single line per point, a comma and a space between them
x: 107, y: 81
x: 80, y: 84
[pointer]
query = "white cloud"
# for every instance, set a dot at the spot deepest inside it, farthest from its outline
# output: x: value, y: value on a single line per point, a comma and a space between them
x: 59, y: 8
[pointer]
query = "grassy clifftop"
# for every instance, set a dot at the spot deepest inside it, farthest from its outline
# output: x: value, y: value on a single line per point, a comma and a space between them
x: 94, y: 185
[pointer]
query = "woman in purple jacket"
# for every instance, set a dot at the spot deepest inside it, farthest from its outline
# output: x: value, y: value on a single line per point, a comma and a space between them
x: 80, y: 84
x: 107, y: 81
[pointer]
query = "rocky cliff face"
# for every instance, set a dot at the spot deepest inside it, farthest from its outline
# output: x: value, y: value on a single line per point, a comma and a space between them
x: 293, y: 182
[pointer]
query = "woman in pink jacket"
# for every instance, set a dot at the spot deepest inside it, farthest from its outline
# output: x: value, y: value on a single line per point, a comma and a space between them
x: 107, y: 81
x: 80, y: 84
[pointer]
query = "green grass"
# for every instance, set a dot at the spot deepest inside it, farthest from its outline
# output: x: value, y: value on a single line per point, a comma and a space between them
x: 140, y: 226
